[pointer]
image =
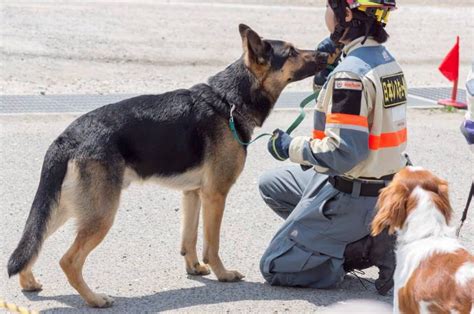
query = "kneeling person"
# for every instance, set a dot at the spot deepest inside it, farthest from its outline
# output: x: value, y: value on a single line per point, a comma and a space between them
x: 357, y: 146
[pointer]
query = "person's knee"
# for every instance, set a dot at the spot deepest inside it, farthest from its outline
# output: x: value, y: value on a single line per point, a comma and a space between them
x: 272, y: 278
x: 277, y: 279
x: 266, y: 264
x: 283, y: 266
x: 263, y: 268
x: 267, y: 276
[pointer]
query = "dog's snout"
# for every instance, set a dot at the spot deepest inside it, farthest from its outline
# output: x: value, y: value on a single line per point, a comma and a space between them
x: 321, y: 60
x: 321, y: 57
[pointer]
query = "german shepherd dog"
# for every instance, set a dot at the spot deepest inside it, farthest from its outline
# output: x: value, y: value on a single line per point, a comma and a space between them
x: 180, y: 139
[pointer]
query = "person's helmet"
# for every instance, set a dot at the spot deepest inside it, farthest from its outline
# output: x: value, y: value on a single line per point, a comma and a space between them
x: 376, y: 11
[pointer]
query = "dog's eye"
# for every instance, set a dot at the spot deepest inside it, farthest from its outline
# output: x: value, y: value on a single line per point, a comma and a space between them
x: 292, y: 53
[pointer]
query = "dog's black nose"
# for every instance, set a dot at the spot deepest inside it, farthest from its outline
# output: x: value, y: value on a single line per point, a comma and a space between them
x: 321, y: 58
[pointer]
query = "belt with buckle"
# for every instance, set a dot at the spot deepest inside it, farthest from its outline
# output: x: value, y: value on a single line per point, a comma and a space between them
x: 368, y: 186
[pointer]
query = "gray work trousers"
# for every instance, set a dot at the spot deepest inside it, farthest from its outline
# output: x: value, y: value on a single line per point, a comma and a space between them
x: 308, y: 249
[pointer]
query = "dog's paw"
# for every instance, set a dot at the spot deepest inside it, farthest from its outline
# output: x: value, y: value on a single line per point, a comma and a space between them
x: 101, y: 301
x: 199, y: 270
x: 29, y: 284
x: 32, y: 287
x: 230, y: 276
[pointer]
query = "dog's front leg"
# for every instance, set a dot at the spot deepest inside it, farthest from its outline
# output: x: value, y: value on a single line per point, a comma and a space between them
x: 191, y: 206
x: 213, y: 209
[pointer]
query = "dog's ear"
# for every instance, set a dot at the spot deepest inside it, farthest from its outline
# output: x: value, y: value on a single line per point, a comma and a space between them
x: 256, y: 50
x: 242, y: 29
x: 392, y: 208
x: 441, y: 200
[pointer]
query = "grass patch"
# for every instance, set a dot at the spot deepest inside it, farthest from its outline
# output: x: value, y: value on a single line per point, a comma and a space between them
x: 449, y: 109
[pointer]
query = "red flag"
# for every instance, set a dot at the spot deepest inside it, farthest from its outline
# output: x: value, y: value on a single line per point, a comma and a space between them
x: 450, y: 65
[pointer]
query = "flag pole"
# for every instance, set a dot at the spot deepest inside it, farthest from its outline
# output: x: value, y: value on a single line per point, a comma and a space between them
x: 453, y: 101
x: 454, y: 93
x: 450, y: 69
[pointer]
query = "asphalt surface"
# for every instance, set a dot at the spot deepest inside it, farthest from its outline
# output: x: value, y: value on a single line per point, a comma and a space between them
x: 133, y: 47
x: 139, y: 262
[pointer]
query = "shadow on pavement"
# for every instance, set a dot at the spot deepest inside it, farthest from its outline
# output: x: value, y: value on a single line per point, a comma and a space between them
x: 214, y: 292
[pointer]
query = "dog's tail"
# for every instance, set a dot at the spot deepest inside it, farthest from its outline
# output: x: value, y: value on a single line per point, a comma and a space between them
x: 52, y: 176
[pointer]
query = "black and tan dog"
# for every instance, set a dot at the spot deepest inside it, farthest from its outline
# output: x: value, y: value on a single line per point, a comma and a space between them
x: 180, y: 139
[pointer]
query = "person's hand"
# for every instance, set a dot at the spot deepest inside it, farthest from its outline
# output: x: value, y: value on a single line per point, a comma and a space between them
x: 334, y: 51
x: 279, y: 145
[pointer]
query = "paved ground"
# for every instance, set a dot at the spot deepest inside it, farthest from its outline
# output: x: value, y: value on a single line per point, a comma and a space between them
x: 146, y: 46
x: 139, y: 262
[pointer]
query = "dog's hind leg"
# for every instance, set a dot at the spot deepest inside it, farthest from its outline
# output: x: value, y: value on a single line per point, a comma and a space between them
x: 60, y: 213
x: 73, y: 261
x: 191, y: 205
x: 28, y: 281
x: 99, y: 199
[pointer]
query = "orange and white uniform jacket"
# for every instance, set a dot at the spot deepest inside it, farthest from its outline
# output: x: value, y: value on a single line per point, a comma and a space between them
x: 360, y: 126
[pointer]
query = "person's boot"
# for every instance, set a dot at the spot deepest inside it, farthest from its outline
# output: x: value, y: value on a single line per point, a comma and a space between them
x: 382, y: 253
x: 371, y: 251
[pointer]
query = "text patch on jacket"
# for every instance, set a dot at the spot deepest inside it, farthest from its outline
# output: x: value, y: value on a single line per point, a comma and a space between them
x: 394, y: 90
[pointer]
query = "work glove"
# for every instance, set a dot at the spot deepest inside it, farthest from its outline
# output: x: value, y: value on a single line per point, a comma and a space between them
x: 328, y: 46
x: 279, y: 145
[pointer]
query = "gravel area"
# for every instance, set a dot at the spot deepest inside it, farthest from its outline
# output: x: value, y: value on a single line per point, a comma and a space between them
x: 72, y: 47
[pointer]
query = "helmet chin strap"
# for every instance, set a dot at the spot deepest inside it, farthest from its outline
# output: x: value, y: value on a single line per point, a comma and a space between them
x: 341, y: 28
x: 368, y: 26
x: 338, y: 33
x: 339, y: 8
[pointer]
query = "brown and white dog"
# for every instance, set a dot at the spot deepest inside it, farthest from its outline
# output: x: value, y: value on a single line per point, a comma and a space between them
x: 434, y: 273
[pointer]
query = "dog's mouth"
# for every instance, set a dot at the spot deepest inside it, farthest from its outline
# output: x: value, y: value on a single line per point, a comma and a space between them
x: 321, y: 61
